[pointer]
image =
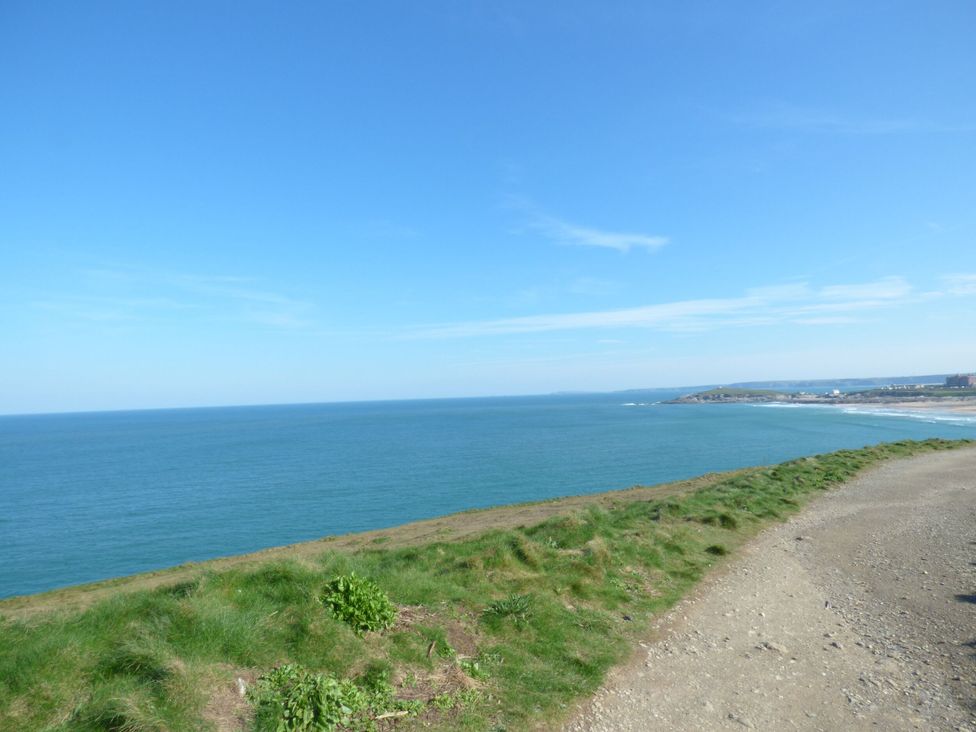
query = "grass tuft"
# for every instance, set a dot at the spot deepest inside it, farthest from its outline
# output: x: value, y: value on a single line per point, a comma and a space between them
x: 517, y: 607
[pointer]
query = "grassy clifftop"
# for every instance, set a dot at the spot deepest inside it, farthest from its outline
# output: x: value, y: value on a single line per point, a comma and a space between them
x: 497, y: 627
x: 732, y: 394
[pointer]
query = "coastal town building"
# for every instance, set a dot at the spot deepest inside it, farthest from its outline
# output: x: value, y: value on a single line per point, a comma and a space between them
x: 961, y: 380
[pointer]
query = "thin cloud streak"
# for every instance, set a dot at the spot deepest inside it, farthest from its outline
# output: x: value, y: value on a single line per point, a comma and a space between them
x: 827, y: 320
x: 231, y: 288
x: 763, y: 306
x: 111, y: 309
x: 960, y: 284
x: 576, y: 235
x: 252, y: 305
x: 886, y: 288
x: 570, y: 233
x: 650, y: 315
x: 214, y: 297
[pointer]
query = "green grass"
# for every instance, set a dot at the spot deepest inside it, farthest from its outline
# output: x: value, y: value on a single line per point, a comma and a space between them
x: 500, y: 631
x: 732, y: 391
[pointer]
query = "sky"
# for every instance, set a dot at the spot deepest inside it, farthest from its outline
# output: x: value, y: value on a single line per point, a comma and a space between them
x: 210, y: 203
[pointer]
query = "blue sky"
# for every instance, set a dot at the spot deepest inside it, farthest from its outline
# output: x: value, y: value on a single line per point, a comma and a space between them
x: 239, y: 202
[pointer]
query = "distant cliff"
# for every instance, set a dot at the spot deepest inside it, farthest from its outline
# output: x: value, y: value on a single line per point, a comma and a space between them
x: 731, y: 394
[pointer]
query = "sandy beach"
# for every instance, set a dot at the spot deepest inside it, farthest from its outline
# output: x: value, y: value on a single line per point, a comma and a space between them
x: 956, y: 406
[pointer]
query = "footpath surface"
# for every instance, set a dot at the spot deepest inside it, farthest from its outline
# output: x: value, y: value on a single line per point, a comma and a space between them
x: 858, y: 614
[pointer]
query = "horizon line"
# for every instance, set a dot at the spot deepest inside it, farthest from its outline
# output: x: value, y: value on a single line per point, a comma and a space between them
x: 559, y: 392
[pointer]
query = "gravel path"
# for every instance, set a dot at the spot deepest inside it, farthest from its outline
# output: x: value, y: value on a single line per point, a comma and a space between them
x: 860, y: 613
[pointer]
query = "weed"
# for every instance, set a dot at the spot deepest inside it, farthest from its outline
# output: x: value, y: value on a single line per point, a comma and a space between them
x: 291, y: 699
x: 473, y: 668
x: 489, y: 659
x: 360, y: 603
x: 517, y: 607
x: 457, y: 700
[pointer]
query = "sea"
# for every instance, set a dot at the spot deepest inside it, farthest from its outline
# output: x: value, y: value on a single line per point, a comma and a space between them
x: 91, y: 496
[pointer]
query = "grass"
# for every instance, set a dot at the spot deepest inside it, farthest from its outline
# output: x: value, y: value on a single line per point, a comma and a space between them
x: 516, y: 607
x: 731, y: 391
x: 499, y: 630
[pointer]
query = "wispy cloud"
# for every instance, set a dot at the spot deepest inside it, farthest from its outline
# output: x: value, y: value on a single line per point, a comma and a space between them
x: 565, y: 232
x: 960, y: 284
x: 797, y: 303
x: 828, y: 320
x: 109, y: 309
x: 887, y: 288
x: 231, y: 288
x: 570, y: 233
x: 666, y: 314
x: 129, y: 295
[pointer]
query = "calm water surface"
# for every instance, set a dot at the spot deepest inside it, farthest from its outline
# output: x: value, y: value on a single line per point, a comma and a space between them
x: 91, y: 496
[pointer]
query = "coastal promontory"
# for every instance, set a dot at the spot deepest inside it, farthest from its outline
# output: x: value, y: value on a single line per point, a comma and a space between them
x: 924, y: 396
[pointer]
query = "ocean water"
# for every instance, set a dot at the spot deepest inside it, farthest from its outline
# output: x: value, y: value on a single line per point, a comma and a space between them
x: 91, y: 496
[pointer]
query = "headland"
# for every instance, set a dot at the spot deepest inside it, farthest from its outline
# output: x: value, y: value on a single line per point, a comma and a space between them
x: 922, y: 397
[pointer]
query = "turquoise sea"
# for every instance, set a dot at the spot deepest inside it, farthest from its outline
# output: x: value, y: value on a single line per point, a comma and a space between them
x: 92, y: 496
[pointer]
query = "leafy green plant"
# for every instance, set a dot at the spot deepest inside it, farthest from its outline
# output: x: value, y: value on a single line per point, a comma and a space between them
x: 360, y: 603
x: 473, y: 667
x: 291, y: 699
x: 517, y: 607
x: 442, y: 702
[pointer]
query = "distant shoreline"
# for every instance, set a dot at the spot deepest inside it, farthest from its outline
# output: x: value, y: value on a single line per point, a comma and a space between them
x: 866, y: 400
x: 961, y: 405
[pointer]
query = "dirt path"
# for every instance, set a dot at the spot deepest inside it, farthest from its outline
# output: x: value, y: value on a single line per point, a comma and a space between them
x: 858, y: 614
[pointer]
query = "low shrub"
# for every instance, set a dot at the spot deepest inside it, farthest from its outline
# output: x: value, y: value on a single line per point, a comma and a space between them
x: 291, y: 699
x: 360, y: 603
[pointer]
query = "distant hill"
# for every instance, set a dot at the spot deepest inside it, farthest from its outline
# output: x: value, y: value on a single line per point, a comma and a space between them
x: 849, y: 383
x: 732, y: 394
x: 866, y: 381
